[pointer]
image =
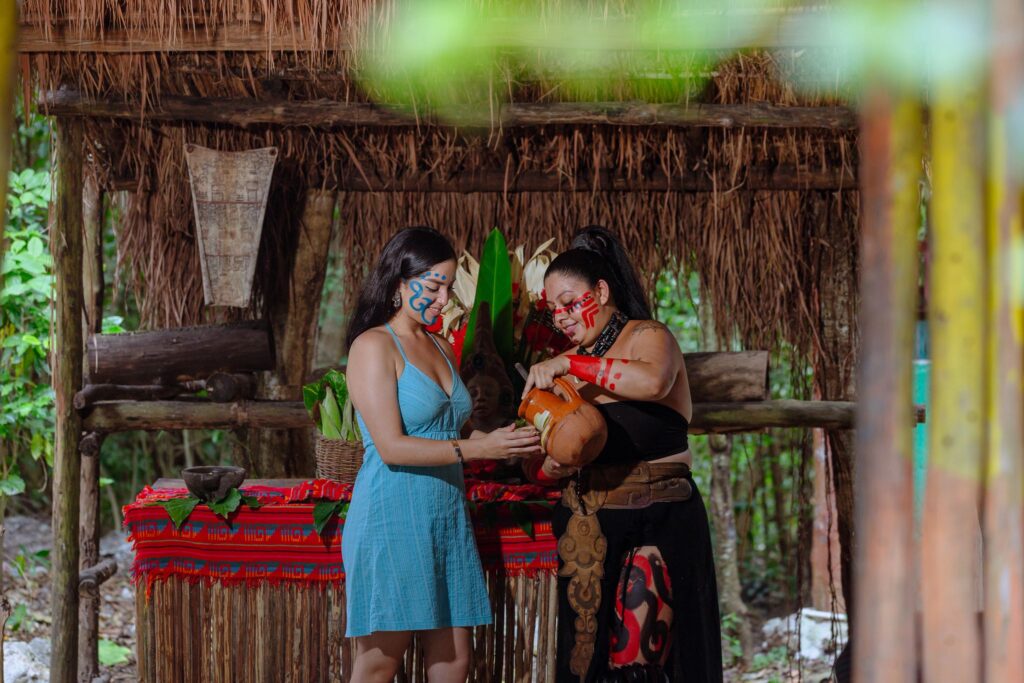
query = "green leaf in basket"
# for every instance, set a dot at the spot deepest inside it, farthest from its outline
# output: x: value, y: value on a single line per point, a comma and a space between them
x: 522, y: 517
x: 339, y: 385
x: 228, y: 504
x: 330, y: 415
x: 179, y: 508
x: 311, y: 395
x: 324, y: 510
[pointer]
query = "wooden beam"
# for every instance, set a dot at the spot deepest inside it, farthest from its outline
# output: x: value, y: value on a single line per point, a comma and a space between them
x: 173, y: 355
x: 66, y: 246
x: 93, y: 576
x: 245, y: 112
x: 709, y: 417
x: 772, y: 28
x: 252, y: 37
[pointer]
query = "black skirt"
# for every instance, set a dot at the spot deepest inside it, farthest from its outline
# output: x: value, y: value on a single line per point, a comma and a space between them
x: 680, y: 531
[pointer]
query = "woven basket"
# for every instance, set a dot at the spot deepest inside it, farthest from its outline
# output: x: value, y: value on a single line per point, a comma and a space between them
x: 338, y: 460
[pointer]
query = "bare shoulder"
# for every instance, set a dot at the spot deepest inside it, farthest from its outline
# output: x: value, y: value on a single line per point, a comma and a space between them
x: 372, y: 345
x: 638, y: 328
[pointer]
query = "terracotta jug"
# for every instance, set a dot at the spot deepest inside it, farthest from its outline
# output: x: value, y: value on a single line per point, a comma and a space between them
x: 572, y: 431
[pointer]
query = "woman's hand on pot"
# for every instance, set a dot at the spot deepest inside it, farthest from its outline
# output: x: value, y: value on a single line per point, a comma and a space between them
x: 542, y: 375
x: 503, y: 443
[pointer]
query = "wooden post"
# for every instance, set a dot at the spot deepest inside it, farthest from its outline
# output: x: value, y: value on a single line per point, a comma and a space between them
x: 89, y: 504
x: 891, y: 152
x: 1004, y: 555
x: 8, y: 59
x: 66, y: 246
x: 950, y: 572
x: 294, y: 321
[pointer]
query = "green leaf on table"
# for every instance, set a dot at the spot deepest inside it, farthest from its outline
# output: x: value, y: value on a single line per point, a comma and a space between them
x: 112, y: 654
x: 179, y: 508
x: 493, y: 287
x: 522, y: 517
x: 324, y: 510
x: 227, y: 505
x: 252, y: 502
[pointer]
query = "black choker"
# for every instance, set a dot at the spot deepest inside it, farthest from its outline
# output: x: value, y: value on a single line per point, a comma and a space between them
x: 607, y: 337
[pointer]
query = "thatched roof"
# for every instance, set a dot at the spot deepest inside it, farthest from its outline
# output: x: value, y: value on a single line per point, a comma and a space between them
x: 757, y: 250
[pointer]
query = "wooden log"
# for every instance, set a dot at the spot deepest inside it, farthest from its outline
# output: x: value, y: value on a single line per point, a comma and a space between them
x: 245, y: 112
x: 95, y: 393
x: 1003, y: 625
x: 90, y: 578
x: 725, y: 377
x: 224, y: 387
x: 168, y: 356
x: 892, y: 145
x: 707, y: 417
x: 66, y: 246
x: 89, y: 447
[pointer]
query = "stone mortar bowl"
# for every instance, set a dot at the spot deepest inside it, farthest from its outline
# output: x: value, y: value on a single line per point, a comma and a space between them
x: 211, y: 483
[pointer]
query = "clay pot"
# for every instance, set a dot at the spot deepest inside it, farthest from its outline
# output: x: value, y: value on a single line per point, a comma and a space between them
x: 211, y: 484
x: 572, y: 431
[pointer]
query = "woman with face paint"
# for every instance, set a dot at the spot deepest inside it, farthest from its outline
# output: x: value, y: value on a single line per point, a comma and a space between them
x: 637, y: 593
x: 410, y: 557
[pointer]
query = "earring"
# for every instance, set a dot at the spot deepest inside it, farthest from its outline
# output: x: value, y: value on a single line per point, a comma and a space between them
x: 396, y: 300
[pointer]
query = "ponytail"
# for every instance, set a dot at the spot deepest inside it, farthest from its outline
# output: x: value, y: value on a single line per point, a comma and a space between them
x: 596, y: 254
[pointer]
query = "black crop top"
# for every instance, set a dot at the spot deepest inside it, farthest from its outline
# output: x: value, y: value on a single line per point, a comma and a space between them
x: 641, y: 430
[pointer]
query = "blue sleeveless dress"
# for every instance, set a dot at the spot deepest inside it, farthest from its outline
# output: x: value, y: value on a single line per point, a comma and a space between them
x: 410, y: 557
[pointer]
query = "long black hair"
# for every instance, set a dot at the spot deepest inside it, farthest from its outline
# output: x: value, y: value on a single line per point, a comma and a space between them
x: 595, y: 253
x: 408, y: 254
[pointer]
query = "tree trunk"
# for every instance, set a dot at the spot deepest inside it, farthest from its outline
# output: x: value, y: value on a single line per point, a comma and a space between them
x: 294, y: 323
x: 66, y: 246
x: 330, y: 341
x: 727, y: 559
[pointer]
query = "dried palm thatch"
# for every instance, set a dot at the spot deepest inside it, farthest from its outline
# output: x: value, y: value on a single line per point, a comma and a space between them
x: 757, y: 252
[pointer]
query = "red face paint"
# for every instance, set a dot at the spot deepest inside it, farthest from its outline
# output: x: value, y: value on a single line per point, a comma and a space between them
x: 585, y: 305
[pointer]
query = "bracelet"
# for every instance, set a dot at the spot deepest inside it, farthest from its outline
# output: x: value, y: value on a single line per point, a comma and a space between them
x: 458, y: 452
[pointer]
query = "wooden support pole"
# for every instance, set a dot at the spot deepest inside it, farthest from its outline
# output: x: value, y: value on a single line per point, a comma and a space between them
x: 66, y: 246
x: 707, y: 417
x: 950, y: 581
x: 1004, y: 469
x: 89, y: 504
x: 891, y: 153
x: 245, y: 112
x: 8, y: 78
x: 294, y: 322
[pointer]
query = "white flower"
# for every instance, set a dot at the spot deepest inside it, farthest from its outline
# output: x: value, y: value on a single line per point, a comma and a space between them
x: 465, y: 281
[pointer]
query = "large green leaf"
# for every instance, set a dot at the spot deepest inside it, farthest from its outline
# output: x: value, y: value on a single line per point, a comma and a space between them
x: 494, y: 286
x: 325, y: 510
x: 179, y: 508
x: 227, y: 505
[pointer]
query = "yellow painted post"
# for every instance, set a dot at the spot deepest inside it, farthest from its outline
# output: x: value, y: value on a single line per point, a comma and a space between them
x: 950, y: 580
x: 891, y: 153
x: 1003, y: 623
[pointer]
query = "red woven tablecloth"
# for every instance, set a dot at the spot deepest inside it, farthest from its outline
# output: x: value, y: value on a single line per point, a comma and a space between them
x: 278, y: 541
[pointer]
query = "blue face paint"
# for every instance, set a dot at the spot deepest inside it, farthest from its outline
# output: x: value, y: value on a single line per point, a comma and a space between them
x: 419, y: 303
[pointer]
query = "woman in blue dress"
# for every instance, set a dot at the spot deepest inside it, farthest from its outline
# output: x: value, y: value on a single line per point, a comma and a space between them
x: 411, y: 562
